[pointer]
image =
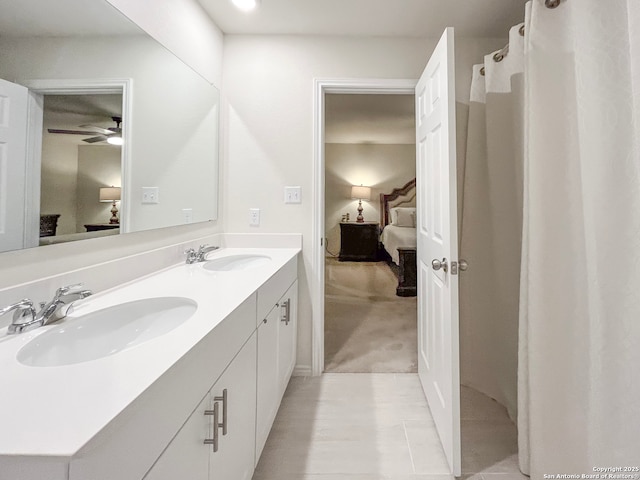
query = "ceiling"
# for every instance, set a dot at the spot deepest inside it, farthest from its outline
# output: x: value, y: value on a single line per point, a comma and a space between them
x: 69, y: 112
x: 371, y: 119
x: 402, y: 18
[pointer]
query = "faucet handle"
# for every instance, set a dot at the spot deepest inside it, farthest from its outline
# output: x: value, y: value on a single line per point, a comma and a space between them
x: 191, y: 254
x: 67, y: 289
x: 20, y: 309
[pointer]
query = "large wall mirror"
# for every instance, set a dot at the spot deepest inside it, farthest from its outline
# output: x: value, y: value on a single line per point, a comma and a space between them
x: 120, y: 125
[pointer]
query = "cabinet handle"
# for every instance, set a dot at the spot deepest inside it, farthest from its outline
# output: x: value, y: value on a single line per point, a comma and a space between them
x: 286, y: 312
x: 213, y: 441
x: 222, y: 399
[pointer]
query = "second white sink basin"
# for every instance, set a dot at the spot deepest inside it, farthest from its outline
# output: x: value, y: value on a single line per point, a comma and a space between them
x: 106, y: 332
x: 236, y: 262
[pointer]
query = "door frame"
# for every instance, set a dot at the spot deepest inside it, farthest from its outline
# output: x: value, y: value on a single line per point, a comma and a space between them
x: 40, y: 87
x: 322, y: 86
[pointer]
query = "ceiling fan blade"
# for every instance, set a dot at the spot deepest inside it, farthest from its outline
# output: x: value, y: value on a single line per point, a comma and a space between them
x: 72, y: 132
x: 99, y: 138
x: 97, y: 129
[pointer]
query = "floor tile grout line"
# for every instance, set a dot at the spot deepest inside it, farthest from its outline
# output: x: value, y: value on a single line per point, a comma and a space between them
x: 406, y: 436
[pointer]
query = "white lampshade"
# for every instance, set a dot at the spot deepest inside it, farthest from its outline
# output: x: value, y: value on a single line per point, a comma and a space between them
x: 109, y: 194
x: 361, y: 193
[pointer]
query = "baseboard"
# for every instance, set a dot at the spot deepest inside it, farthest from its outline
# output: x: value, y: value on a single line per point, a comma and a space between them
x: 301, y: 371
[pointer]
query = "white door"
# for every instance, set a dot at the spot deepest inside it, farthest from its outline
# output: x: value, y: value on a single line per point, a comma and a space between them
x: 437, y: 252
x: 13, y: 162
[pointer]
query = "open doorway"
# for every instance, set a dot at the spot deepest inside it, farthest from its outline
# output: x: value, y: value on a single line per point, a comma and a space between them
x: 488, y: 436
x: 370, y: 319
x: 88, y: 185
x: 81, y: 166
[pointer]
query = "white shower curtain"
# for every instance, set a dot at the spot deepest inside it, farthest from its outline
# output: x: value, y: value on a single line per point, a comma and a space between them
x: 492, y: 226
x: 579, y: 371
x: 578, y: 140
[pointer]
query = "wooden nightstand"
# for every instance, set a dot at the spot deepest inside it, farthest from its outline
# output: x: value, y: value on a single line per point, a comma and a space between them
x: 94, y: 227
x: 359, y: 241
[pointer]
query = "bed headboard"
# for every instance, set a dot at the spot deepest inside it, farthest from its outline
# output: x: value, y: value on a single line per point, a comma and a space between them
x: 404, y: 196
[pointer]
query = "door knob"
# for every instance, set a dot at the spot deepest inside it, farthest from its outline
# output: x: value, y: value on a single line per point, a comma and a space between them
x: 437, y: 265
x: 460, y: 265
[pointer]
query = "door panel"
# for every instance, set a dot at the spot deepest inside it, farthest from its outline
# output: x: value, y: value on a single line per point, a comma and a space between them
x: 13, y: 158
x: 438, y: 362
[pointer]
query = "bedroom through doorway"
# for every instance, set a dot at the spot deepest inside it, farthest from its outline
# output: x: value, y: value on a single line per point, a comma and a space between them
x: 370, y: 304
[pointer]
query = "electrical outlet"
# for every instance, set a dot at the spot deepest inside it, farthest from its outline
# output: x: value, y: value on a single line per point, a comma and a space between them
x: 292, y: 195
x: 254, y: 217
x: 150, y: 195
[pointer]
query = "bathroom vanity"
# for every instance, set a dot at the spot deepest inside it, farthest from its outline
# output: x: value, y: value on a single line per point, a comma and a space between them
x: 195, y: 401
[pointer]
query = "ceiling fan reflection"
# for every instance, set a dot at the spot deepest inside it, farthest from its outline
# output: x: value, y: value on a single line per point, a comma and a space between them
x: 112, y: 135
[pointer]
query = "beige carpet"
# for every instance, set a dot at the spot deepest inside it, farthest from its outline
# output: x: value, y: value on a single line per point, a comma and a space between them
x: 367, y: 327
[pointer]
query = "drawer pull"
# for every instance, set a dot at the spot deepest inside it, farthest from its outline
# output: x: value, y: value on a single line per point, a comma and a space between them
x: 216, y: 413
x: 224, y: 401
x: 286, y: 312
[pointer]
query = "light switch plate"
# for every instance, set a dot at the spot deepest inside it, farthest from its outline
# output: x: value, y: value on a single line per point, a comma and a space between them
x: 292, y: 195
x: 150, y: 195
x: 187, y: 215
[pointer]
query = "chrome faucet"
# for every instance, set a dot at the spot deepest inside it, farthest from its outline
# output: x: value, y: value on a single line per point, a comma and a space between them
x: 25, y: 317
x: 203, y: 250
x: 194, y: 256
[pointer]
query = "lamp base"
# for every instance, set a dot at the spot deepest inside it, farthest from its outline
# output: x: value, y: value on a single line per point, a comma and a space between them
x: 360, y: 218
x: 114, y: 214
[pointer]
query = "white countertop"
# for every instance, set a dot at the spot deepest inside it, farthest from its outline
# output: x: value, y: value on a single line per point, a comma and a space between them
x: 54, y: 411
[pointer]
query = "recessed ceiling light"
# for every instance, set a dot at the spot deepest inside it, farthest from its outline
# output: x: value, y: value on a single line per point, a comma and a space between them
x: 246, y: 5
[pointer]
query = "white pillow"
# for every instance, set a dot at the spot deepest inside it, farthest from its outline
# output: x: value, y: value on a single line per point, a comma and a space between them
x: 393, y: 216
x: 405, y: 217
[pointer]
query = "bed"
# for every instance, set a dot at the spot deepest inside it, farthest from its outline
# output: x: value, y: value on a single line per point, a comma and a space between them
x: 398, y: 237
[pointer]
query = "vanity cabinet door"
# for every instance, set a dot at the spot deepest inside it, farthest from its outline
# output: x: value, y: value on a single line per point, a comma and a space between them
x: 186, y: 456
x: 268, y: 398
x: 287, y: 336
x: 235, y: 458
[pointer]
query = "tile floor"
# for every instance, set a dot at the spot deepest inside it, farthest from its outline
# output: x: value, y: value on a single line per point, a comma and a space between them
x: 377, y: 426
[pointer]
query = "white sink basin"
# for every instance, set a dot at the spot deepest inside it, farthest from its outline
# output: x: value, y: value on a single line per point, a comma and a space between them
x: 236, y: 262
x: 106, y: 332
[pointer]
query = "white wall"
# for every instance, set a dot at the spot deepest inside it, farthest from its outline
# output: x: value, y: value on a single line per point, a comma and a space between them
x: 58, y: 181
x: 98, y: 166
x: 381, y: 167
x: 268, y: 124
x: 184, y: 28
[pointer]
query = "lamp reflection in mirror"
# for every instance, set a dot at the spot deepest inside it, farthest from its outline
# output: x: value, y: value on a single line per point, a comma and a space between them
x: 111, y: 194
x: 360, y: 193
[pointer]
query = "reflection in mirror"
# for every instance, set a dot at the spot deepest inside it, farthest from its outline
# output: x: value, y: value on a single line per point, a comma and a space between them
x: 79, y: 164
x: 171, y: 137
